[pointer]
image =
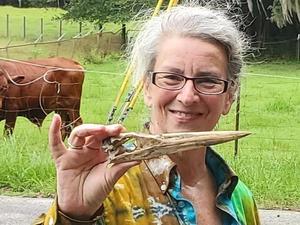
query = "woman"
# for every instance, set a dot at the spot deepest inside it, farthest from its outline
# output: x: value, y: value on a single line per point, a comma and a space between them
x: 190, y: 59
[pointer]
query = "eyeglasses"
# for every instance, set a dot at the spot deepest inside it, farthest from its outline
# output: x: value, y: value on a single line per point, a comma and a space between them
x: 207, y: 85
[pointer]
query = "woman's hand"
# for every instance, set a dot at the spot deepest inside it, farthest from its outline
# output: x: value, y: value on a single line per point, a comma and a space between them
x: 83, y: 178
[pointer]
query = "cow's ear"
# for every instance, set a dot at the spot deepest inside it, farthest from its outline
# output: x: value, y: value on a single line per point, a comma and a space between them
x: 16, y: 78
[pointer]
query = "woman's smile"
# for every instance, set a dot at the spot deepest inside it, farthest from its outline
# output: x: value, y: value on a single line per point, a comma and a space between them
x: 184, y: 116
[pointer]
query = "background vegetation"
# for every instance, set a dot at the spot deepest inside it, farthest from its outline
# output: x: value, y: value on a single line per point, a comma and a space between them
x: 33, y: 24
x: 268, y: 160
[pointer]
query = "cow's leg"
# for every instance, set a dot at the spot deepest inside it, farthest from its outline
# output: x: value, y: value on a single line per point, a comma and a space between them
x: 10, y: 122
x: 73, y: 120
x: 70, y: 119
x: 38, y: 122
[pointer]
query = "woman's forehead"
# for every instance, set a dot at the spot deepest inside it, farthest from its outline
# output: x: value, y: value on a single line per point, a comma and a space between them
x: 182, y: 54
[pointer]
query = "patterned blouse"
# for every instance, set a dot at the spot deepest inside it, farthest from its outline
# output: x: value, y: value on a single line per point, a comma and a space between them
x: 147, y: 195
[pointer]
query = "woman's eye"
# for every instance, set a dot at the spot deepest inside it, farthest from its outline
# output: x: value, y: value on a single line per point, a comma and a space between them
x: 173, y: 78
x: 209, y: 81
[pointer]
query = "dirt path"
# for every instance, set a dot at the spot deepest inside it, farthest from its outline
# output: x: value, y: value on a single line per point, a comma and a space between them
x: 19, y: 210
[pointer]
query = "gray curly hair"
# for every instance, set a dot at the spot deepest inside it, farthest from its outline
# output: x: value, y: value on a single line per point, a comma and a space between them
x: 201, y: 22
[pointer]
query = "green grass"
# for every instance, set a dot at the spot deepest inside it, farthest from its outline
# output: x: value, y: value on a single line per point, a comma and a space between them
x: 25, y: 163
x: 33, y: 23
x: 87, y: 48
x: 268, y: 161
x: 51, y: 26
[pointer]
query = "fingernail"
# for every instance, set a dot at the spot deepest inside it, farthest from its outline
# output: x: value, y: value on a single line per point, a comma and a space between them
x: 115, y: 127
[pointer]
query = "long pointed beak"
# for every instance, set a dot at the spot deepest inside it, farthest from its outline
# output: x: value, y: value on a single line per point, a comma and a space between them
x: 149, y: 146
x: 207, y: 138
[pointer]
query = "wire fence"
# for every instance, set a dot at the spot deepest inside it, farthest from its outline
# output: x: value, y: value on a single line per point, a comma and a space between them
x: 15, y: 29
x: 289, y: 48
x: 28, y: 29
x: 88, y: 46
x: 269, y: 104
x: 35, y: 37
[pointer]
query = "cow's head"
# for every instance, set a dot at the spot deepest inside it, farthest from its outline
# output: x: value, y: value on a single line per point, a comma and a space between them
x: 5, y: 80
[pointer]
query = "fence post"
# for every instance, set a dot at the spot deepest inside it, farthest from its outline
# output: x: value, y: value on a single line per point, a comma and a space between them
x: 58, y: 47
x: 73, y: 48
x: 6, y: 48
x: 124, y: 36
x: 298, y: 47
x: 58, y: 44
x: 42, y: 29
x: 100, y: 27
x: 98, y: 41
x: 80, y: 28
x: 237, y: 120
x: 24, y: 27
x: 60, y: 28
x: 7, y: 25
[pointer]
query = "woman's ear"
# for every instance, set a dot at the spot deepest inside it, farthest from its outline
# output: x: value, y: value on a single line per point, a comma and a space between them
x: 227, y: 105
x: 147, y: 92
x: 230, y: 97
x: 232, y: 92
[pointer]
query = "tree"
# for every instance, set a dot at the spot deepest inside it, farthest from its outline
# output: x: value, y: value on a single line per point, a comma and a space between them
x: 102, y: 11
x: 282, y: 11
x: 267, y: 21
x: 285, y: 11
x: 43, y: 3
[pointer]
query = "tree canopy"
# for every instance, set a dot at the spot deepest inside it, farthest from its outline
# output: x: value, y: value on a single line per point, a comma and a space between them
x: 102, y: 11
x: 285, y: 11
x: 35, y: 3
x: 282, y: 11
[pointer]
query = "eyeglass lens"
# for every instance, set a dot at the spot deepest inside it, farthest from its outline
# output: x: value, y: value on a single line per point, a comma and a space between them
x: 171, y: 81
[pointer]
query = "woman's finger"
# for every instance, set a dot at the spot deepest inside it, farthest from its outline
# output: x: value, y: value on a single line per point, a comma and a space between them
x: 92, y: 135
x: 56, y: 144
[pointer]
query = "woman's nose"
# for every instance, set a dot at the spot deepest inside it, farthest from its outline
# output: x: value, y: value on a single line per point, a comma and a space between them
x: 188, y: 94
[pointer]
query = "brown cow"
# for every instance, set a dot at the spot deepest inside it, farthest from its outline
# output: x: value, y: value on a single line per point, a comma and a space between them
x: 33, y: 89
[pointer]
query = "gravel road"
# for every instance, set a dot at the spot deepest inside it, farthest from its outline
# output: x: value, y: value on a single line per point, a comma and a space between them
x: 21, y: 211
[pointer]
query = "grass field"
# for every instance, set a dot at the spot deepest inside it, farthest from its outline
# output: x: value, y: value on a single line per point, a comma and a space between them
x: 88, y: 47
x: 51, y: 26
x: 268, y: 161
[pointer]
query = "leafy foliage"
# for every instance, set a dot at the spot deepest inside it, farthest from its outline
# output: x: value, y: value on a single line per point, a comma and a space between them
x: 102, y: 11
x: 282, y: 10
x: 34, y: 3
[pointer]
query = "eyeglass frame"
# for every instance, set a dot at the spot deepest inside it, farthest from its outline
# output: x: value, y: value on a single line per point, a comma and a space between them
x: 226, y: 82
